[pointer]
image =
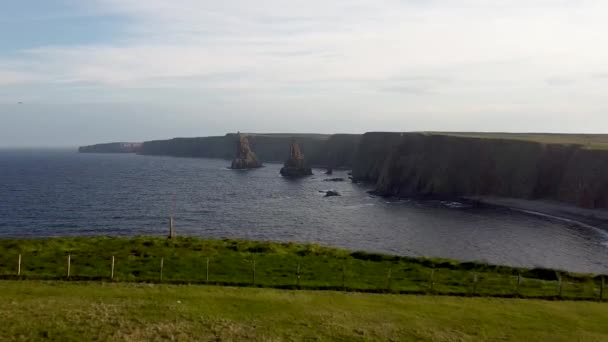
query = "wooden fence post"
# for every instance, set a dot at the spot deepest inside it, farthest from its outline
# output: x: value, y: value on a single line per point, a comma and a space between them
x: 19, y: 266
x: 559, y: 283
x: 171, y: 228
x: 162, y: 262
x: 112, y: 274
x: 253, y: 272
x: 298, y: 275
x: 388, y: 278
x: 207, y: 271
x: 69, y: 264
x: 343, y: 277
x: 518, y: 283
x: 474, y: 283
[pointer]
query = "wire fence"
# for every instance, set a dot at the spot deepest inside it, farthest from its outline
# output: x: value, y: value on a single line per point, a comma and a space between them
x: 274, y: 271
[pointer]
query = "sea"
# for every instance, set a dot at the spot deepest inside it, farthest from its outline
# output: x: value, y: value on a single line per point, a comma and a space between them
x: 61, y: 193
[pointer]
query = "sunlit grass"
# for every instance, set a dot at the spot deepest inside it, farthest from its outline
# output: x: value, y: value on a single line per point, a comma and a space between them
x: 79, y: 311
x: 278, y: 265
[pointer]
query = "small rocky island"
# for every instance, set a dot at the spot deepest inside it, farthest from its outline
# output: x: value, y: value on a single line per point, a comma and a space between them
x: 295, y: 166
x: 245, y: 158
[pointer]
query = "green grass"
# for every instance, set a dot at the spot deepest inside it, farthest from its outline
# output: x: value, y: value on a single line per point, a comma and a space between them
x: 231, y: 262
x: 587, y: 141
x: 79, y: 311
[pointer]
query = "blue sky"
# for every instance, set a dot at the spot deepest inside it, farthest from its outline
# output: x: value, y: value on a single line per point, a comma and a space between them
x: 77, y: 72
x: 30, y: 24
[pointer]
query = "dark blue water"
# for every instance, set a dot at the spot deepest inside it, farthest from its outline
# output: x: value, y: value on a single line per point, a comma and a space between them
x: 63, y: 193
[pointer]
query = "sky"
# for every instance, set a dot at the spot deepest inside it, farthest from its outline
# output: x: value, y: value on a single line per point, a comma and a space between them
x: 76, y: 72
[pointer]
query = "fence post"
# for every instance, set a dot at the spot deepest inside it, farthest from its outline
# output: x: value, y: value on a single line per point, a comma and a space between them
x: 69, y: 264
x: 112, y: 274
x: 19, y: 266
x: 432, y: 280
x: 253, y: 272
x: 162, y: 262
x: 602, y: 289
x: 559, y: 283
x: 388, y: 278
x: 207, y: 271
x: 171, y: 228
x: 298, y: 275
x: 474, y: 283
x: 518, y: 283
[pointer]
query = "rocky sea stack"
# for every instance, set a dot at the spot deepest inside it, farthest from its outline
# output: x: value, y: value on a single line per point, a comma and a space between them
x: 295, y: 166
x: 245, y: 158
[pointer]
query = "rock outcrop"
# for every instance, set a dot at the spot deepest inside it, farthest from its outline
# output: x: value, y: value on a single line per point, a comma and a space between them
x: 295, y: 166
x: 332, y: 193
x: 245, y: 158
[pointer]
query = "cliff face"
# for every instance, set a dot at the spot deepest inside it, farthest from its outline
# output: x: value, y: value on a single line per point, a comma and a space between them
x: 567, y: 168
x: 118, y: 147
x: 413, y: 164
x: 321, y: 150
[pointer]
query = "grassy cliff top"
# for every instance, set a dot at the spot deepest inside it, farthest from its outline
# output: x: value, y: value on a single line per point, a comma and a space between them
x: 278, y: 265
x: 588, y: 141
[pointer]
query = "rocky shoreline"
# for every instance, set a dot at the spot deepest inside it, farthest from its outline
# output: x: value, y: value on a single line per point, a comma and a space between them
x: 595, y: 218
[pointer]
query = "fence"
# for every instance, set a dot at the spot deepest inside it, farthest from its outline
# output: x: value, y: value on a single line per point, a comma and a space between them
x: 321, y: 273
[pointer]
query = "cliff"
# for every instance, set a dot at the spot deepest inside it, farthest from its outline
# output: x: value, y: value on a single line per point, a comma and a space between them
x: 569, y: 168
x: 438, y: 165
x: 336, y: 150
x: 117, y: 147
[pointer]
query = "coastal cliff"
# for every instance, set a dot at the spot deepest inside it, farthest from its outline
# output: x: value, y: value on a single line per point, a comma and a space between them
x: 568, y: 168
x: 117, y: 147
x: 336, y: 150
x: 445, y: 166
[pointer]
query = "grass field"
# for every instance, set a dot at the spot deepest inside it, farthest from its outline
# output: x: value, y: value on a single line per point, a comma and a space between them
x: 69, y: 311
x: 279, y: 265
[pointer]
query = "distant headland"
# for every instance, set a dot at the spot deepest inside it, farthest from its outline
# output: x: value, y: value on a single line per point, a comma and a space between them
x: 564, y: 168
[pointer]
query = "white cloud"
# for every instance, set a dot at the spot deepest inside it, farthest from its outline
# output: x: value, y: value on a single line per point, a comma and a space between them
x: 344, y: 56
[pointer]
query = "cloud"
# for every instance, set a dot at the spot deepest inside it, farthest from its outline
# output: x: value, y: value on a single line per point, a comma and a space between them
x: 330, y: 40
x: 560, y: 81
x: 600, y: 75
x: 16, y: 77
x: 344, y: 58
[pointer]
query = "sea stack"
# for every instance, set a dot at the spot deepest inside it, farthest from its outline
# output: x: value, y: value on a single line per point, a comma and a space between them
x: 245, y: 158
x: 295, y: 166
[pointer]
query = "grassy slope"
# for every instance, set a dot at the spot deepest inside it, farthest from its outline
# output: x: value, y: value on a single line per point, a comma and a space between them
x: 31, y: 310
x: 230, y: 263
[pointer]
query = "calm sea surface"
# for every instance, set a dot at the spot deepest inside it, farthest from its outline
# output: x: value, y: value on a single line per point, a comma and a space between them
x: 63, y: 193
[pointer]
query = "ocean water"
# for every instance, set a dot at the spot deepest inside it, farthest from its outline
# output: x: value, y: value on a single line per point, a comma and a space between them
x: 63, y: 193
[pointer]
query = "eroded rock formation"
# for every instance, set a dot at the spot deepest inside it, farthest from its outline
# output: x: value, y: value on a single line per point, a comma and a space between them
x: 295, y: 166
x: 245, y: 158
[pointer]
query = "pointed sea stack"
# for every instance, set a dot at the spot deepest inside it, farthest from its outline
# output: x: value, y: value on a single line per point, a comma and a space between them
x: 245, y: 158
x: 295, y: 165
